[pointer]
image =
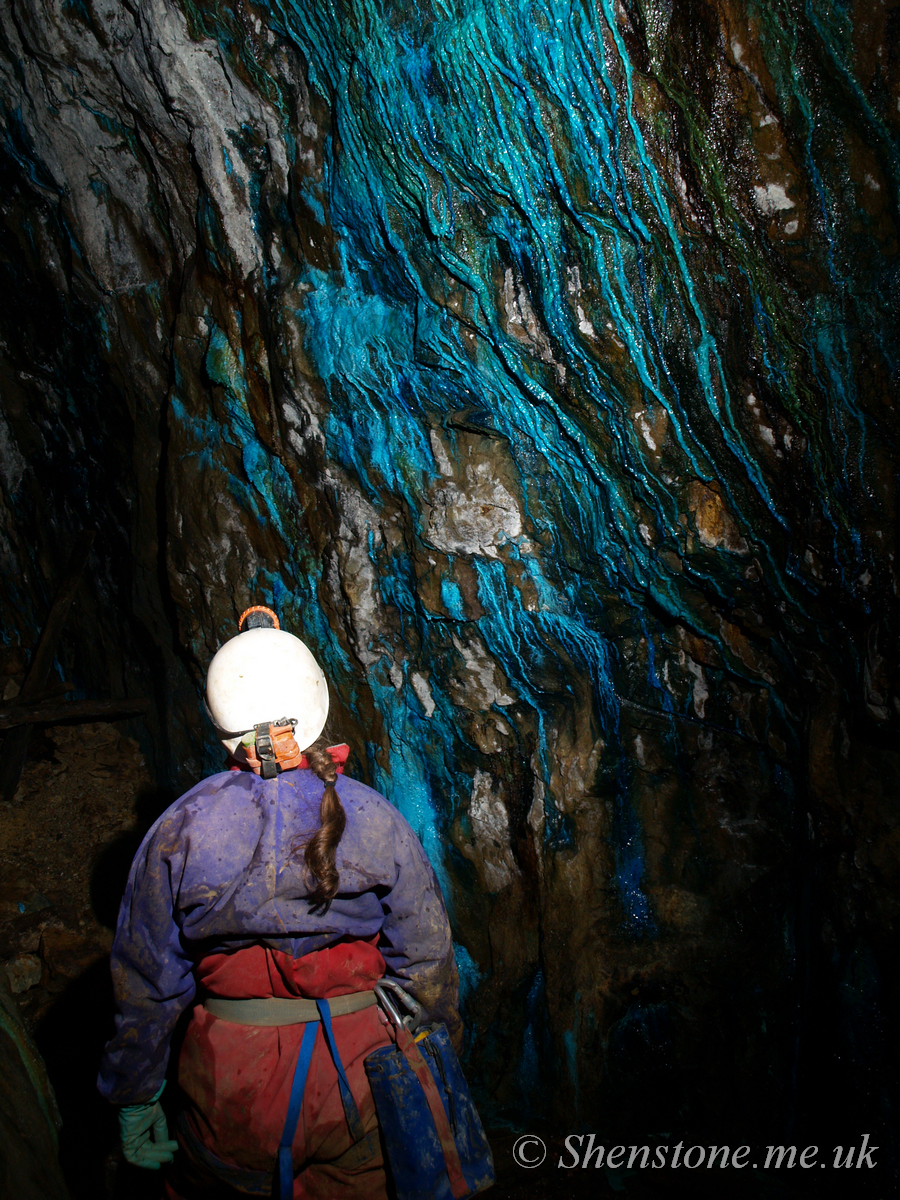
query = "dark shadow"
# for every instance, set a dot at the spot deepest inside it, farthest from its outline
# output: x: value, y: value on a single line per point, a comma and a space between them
x: 71, y: 1038
x: 72, y: 1034
x: 151, y: 802
x: 111, y: 866
x: 110, y: 875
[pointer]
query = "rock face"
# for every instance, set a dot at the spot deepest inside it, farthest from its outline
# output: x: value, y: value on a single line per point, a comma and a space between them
x: 539, y: 365
x: 28, y: 1114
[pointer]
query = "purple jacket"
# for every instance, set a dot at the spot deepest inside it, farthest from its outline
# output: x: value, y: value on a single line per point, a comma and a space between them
x: 216, y: 872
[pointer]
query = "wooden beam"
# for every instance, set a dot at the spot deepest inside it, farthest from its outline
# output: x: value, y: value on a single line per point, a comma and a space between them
x: 52, y: 691
x: 73, y: 710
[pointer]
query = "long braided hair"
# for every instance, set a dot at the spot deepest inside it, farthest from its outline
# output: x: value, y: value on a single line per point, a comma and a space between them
x: 320, y: 850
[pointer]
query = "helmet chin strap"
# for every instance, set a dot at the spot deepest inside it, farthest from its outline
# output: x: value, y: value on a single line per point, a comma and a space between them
x: 274, y: 748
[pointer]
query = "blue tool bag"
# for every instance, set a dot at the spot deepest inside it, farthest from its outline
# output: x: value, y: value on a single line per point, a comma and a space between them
x: 435, y: 1144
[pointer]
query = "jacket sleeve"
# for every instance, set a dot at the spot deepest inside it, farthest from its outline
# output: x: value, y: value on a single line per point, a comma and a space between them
x: 152, y: 974
x: 415, y: 939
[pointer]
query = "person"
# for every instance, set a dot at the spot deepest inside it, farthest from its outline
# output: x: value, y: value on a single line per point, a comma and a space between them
x: 267, y: 886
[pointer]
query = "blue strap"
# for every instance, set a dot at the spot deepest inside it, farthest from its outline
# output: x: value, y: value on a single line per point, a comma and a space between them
x: 351, y: 1112
x: 285, y: 1154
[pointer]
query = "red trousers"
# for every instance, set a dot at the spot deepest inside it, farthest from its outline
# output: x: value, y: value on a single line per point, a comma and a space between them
x: 237, y: 1080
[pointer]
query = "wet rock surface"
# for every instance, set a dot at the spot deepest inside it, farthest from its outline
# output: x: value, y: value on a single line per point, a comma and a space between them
x: 540, y: 367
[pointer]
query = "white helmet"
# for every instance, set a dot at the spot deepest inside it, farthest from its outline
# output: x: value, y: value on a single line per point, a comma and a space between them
x: 264, y: 675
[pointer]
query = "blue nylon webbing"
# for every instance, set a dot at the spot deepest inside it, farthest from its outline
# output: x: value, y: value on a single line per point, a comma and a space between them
x: 285, y: 1155
x: 351, y: 1112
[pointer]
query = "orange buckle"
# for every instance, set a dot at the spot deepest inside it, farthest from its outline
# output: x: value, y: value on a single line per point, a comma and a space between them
x: 258, y: 608
x: 275, y: 750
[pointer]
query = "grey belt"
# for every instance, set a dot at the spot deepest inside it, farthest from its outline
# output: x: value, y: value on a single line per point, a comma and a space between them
x: 276, y: 1011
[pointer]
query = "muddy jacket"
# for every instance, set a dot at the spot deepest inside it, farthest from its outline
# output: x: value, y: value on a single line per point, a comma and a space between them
x: 219, y: 871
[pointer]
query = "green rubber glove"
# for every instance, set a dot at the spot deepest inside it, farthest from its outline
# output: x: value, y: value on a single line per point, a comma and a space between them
x: 145, y: 1135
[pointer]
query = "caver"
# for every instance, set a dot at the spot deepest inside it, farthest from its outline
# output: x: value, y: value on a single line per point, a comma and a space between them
x: 253, y: 896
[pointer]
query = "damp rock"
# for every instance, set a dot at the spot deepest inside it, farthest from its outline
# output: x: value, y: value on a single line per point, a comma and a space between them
x: 23, y: 972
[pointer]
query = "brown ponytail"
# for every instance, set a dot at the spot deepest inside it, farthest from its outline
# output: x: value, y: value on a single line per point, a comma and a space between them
x: 320, y: 851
